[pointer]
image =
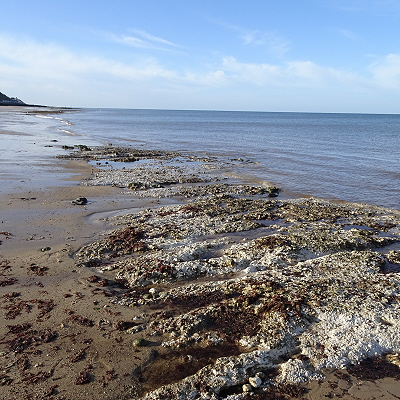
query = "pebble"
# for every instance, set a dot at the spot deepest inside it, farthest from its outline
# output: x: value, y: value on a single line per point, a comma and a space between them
x: 255, y: 381
x: 247, y: 388
x: 139, y: 342
x: 80, y: 201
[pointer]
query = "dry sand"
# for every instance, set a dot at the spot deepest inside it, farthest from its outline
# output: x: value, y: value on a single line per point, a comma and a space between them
x: 68, y: 329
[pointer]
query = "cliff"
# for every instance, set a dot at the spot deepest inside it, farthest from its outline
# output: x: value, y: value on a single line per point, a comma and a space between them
x: 4, y: 97
x: 14, y: 101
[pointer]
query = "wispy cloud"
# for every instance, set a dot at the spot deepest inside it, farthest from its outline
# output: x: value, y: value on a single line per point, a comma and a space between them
x: 142, y: 39
x: 152, y: 38
x: 272, y: 41
x: 348, y: 34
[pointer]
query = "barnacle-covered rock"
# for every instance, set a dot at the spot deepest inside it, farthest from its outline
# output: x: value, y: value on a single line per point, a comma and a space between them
x: 296, y: 286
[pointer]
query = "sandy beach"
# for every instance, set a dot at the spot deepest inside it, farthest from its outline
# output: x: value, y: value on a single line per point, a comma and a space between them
x: 173, y: 282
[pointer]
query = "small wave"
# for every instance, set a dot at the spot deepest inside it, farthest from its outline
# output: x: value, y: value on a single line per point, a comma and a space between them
x: 65, y: 122
x: 68, y: 132
x: 45, y: 116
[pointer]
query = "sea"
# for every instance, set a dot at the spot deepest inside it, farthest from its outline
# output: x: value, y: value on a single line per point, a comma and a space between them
x: 348, y: 157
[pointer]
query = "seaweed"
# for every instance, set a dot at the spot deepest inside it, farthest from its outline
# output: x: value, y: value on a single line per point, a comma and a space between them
x: 270, y: 242
x: 79, y: 319
x: 201, y: 300
x: 375, y: 368
x: 36, y: 270
x: 19, y: 328
x: 51, y: 391
x: 80, y: 355
x: 11, y: 295
x: 45, y: 306
x: 84, y: 376
x: 23, y: 363
x: 41, y: 376
x: 235, y: 322
x: 124, y: 325
x: 127, y: 241
x: 8, y: 282
x: 16, y: 308
x: 5, y: 380
x: 109, y: 376
x: 29, y: 338
x: 5, y: 264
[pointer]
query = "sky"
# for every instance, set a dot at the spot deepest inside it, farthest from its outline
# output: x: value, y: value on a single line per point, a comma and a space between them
x: 251, y: 55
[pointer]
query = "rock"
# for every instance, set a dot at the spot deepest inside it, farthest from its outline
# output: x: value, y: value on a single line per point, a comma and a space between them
x: 255, y: 381
x: 80, y: 201
x: 137, y: 185
x: 153, y: 292
x: 83, y: 147
x: 314, y: 287
x: 139, y: 342
x: 273, y: 191
x: 247, y: 388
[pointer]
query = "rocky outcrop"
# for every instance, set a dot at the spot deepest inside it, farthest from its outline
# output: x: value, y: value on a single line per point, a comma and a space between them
x: 246, y: 296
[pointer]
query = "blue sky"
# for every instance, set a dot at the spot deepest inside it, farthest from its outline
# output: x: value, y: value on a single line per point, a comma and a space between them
x: 256, y: 55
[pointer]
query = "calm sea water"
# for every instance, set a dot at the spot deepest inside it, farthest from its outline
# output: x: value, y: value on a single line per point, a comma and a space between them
x: 352, y: 157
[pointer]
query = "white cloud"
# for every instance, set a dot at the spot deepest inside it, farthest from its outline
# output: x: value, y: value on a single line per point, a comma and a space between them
x: 259, y: 74
x: 56, y: 62
x: 290, y: 74
x: 386, y: 72
x: 217, y: 78
x: 48, y: 71
x: 51, y: 74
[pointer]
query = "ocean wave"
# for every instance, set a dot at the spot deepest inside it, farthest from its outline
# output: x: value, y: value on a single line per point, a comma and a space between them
x: 69, y: 123
x: 68, y: 132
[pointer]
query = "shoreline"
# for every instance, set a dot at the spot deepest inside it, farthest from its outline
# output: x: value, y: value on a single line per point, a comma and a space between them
x: 79, y: 319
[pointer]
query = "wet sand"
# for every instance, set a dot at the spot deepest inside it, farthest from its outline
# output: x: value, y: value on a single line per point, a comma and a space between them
x: 41, y: 232
x: 60, y: 335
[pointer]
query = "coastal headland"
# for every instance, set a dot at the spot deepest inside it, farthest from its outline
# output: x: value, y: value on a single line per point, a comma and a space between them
x: 6, y: 101
x: 156, y: 275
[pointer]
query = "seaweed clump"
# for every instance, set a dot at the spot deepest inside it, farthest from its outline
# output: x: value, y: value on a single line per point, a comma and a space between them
x: 127, y: 241
x: 29, y: 338
x: 375, y: 368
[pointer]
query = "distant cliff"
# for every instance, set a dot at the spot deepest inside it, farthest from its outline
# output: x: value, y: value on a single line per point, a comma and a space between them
x: 10, y: 101
x: 3, y: 97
